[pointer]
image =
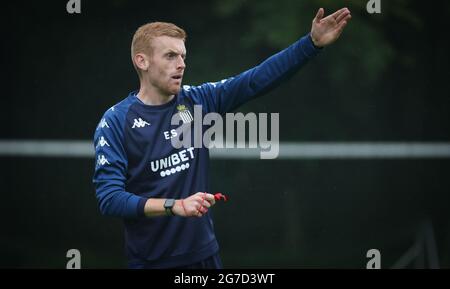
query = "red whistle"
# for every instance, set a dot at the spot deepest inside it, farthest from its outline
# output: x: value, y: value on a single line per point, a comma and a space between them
x: 219, y: 196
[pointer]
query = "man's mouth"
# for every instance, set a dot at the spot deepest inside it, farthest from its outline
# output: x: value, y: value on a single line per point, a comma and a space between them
x: 177, y: 76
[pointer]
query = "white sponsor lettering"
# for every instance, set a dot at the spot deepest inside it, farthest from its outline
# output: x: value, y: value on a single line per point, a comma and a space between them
x: 174, y: 163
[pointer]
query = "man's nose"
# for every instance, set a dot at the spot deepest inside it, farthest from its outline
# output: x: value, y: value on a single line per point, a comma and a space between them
x: 180, y: 63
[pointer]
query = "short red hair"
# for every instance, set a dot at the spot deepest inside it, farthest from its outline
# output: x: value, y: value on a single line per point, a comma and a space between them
x: 143, y: 37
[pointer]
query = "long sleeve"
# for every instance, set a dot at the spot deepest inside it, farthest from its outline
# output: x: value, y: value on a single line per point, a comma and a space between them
x: 228, y: 94
x: 110, y: 170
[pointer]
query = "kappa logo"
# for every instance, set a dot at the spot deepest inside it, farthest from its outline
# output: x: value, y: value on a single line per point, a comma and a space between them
x: 139, y: 123
x: 102, y: 160
x: 102, y: 142
x: 103, y: 124
x: 184, y: 113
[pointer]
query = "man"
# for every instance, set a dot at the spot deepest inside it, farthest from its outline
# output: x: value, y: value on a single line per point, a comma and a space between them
x: 160, y: 191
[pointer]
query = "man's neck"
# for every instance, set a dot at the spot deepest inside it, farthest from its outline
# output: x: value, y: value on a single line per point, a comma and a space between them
x: 151, y: 96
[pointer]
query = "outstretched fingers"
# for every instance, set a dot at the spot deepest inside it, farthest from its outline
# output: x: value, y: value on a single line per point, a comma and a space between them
x: 344, y: 16
x: 336, y: 14
x: 341, y: 27
x: 319, y: 15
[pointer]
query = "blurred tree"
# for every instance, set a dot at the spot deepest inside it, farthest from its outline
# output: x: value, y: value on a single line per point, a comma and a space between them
x: 367, y: 51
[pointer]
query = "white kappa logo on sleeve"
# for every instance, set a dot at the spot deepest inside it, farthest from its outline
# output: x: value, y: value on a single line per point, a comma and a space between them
x: 102, y: 160
x: 102, y: 142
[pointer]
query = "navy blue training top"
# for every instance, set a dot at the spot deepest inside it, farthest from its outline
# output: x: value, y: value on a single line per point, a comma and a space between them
x: 136, y: 161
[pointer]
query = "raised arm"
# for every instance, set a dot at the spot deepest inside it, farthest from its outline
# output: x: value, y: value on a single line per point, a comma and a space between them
x: 228, y: 94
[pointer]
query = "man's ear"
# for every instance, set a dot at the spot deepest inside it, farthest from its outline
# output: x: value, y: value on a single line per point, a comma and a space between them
x: 142, y: 62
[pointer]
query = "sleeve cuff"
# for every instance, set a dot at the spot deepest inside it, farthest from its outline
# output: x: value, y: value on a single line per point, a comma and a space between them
x: 312, y: 42
x: 307, y: 46
x: 141, y: 207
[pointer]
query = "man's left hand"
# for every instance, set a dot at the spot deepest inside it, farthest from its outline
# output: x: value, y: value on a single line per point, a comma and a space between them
x: 325, y: 31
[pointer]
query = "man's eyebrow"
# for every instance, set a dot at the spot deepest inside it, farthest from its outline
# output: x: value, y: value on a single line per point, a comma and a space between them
x: 176, y: 52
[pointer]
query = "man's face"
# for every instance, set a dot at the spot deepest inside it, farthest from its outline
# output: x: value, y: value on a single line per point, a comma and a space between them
x: 167, y: 64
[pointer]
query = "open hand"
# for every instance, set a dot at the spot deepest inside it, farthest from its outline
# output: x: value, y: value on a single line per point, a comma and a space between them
x: 325, y: 31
